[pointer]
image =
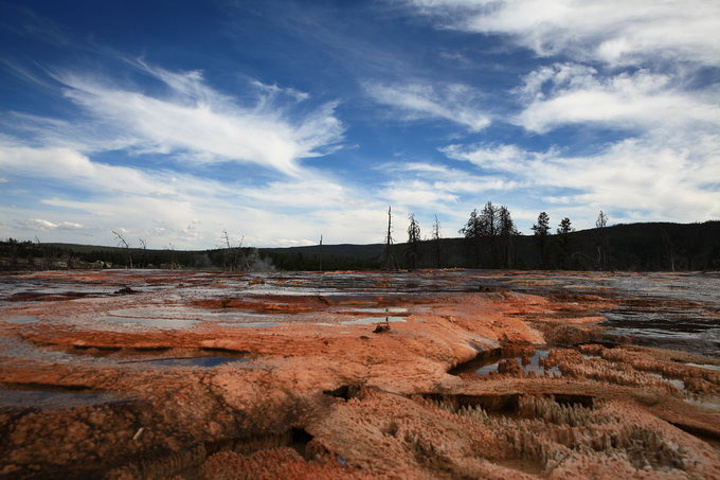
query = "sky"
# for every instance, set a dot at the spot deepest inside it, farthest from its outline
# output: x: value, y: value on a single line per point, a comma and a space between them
x: 281, y: 121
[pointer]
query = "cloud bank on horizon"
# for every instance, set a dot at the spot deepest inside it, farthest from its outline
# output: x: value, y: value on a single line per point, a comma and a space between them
x: 282, y: 120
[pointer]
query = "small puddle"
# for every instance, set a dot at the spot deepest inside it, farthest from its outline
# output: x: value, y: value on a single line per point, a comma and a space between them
x: 53, y: 400
x: 22, y: 319
x: 705, y: 366
x: 373, y: 320
x: 164, y: 323
x: 205, y: 362
x: 250, y: 324
x: 679, y: 384
x: 524, y: 465
x: 689, y: 328
x: 487, y: 366
x: 711, y: 404
x: 377, y: 310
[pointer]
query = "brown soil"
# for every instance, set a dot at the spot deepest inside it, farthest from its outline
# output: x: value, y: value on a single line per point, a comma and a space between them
x: 337, y: 382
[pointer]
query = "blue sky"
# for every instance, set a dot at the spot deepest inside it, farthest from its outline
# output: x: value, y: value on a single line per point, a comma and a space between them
x: 279, y: 121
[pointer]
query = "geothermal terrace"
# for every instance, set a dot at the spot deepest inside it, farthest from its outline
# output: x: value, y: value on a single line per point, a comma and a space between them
x: 432, y: 374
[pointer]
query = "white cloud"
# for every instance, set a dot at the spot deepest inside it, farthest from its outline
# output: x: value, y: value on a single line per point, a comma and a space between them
x: 275, y: 90
x: 661, y: 47
x: 634, y: 67
x: 454, y: 102
x: 503, y: 158
x: 73, y: 168
x: 416, y: 194
x: 449, y: 182
x: 195, y: 120
x: 641, y: 179
x: 571, y: 94
x: 178, y: 113
x: 615, y: 32
x: 313, y: 191
x: 187, y: 211
x: 48, y: 225
x: 88, y: 199
x: 429, y: 189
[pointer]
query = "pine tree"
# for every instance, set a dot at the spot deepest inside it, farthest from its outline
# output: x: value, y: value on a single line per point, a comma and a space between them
x: 507, y: 232
x: 471, y: 232
x: 563, y: 241
x: 413, y: 242
x: 542, y: 229
x: 471, y: 228
x: 489, y: 229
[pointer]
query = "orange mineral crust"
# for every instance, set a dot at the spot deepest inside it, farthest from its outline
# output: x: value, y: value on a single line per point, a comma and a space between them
x: 127, y: 374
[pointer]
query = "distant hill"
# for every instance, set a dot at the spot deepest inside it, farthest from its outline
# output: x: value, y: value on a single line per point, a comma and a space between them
x: 638, y: 246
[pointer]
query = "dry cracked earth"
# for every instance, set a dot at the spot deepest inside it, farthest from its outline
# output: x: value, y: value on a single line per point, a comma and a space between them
x: 128, y: 374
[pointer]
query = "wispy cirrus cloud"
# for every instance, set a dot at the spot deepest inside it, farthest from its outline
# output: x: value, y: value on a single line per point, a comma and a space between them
x: 455, y: 103
x: 193, y: 119
x: 179, y: 113
x: 451, y: 183
x: 497, y: 158
x: 612, y: 32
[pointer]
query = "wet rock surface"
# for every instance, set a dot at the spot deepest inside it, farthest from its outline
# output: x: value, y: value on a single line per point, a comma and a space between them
x: 430, y: 374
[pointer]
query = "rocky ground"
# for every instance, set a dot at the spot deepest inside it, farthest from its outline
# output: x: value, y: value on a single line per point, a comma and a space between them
x: 432, y: 374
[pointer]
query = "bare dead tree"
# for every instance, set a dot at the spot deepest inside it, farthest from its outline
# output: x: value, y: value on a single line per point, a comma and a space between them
x: 321, y: 252
x: 601, y: 241
x: 388, y: 258
x: 143, y: 246
x: 234, y: 259
x: 48, y: 254
x: 670, y: 249
x: 123, y: 243
x: 437, y: 241
x: 174, y: 265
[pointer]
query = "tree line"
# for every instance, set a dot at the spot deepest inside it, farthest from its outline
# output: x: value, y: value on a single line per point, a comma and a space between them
x: 492, y: 240
x: 492, y: 237
x: 489, y: 239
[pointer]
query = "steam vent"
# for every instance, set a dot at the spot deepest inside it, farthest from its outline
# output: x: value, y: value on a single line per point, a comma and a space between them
x: 127, y: 374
